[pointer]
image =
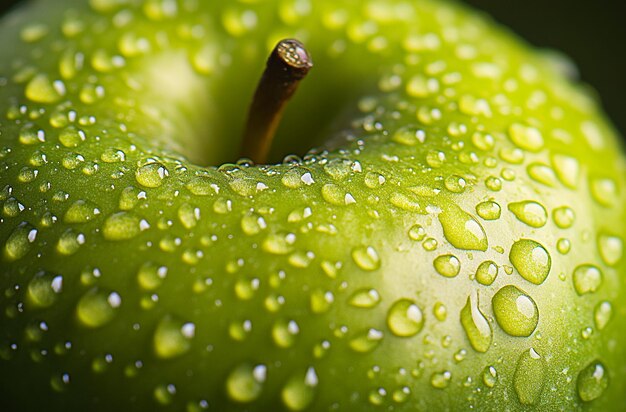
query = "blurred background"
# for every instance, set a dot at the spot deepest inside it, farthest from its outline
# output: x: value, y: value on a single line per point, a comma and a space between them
x: 591, y: 33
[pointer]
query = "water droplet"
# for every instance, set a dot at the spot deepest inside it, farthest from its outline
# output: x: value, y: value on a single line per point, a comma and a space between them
x: 567, y: 169
x: 488, y: 210
x: 366, y: 341
x: 462, y: 230
x: 298, y: 392
x: 252, y: 224
x: 151, y: 175
x: 563, y: 246
x: 530, y: 377
x: 490, y: 376
x: 43, y: 289
x: 81, y: 211
x: 164, y: 394
x: 604, y: 191
x: 338, y: 169
x: 526, y: 137
x: 542, y: 174
x: 476, y: 326
x: 611, y: 248
x: 405, y: 318
x: 71, y: 137
x: 245, y: 383
x: 592, y: 381
x: 455, y: 184
x: 409, y: 136
x: 563, y: 217
x: 587, y: 279
x: 366, y: 258
x: 284, y: 333
x: 487, y: 272
x: 279, y: 243
x: 374, y: 180
x: 364, y: 298
x: 336, y: 195
x: 321, y: 301
x: 173, y: 337
x: 441, y: 380
x: 529, y: 212
x: 150, y: 275
x: 440, y: 311
x: 531, y: 259
x: 417, y: 233
x: 69, y: 242
x: 447, y: 265
x: 602, y: 314
x: 40, y: 89
x: 121, y: 226
x: 97, y: 308
x: 20, y: 241
x: 516, y: 312
x: 188, y: 215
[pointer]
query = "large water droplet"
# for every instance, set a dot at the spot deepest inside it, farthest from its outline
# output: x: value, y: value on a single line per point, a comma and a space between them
x: 364, y: 298
x: 529, y: 212
x: 490, y: 376
x: 81, y: 211
x: 516, y: 312
x: 447, y: 265
x: 602, y: 314
x: 530, y: 377
x: 526, y: 137
x: 531, y: 259
x: 611, y: 248
x: 284, y: 333
x: 587, y: 279
x: 299, y: 391
x: 150, y: 275
x: 44, y: 289
x: 173, y: 337
x: 121, y: 226
x: 592, y: 381
x: 97, y: 308
x: 20, y: 241
x: 486, y: 272
x: 245, y: 383
x: 488, y: 210
x: 151, y: 175
x: 366, y: 341
x: 462, y: 230
x: 40, y: 89
x: 366, y: 257
x: 476, y: 326
x: 405, y: 318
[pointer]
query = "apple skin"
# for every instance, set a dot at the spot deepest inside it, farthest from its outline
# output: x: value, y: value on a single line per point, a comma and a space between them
x: 134, y: 278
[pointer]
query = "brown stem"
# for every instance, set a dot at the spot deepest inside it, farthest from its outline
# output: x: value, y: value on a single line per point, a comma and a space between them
x: 287, y: 65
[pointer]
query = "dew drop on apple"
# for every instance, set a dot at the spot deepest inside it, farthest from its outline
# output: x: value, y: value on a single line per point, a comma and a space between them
x: 222, y: 206
x: 60, y: 382
x: 285, y: 332
x: 526, y: 137
x: 151, y: 175
x: 401, y: 395
x: 592, y: 381
x: 240, y: 330
x: 455, y: 184
x: 44, y: 289
x: 611, y: 248
x: 364, y: 298
x: 567, y: 169
x: 530, y: 377
x: 377, y: 396
x: 493, y: 183
x: 96, y: 308
x: 121, y: 226
x: 405, y: 318
x: 338, y: 169
x: 529, y: 212
x: 20, y: 241
x: 441, y: 380
x: 447, y: 265
x: 366, y: 340
x: 100, y: 364
x: 202, y: 186
x: 490, y: 376
x: 462, y: 230
x: 35, y: 331
x: 12, y: 207
x: 188, y: 215
x: 542, y: 174
x: 531, y: 259
x: 476, y: 326
x: 299, y: 391
x: 515, y: 311
x: 604, y: 191
x: 245, y: 288
x: 41, y: 89
x: 417, y: 233
x: 164, y: 394
x: 409, y: 136
x: 487, y: 272
x: 173, y: 337
x: 81, y: 211
x: 252, y: 224
x: 336, y: 195
x: 320, y: 301
x: 72, y: 160
x: 563, y: 217
x: 71, y: 137
x: 563, y: 246
x: 587, y: 279
x: 602, y: 314
x: 151, y: 276
x: 435, y: 158
x: 440, y: 311
x: 279, y: 243
x: 29, y: 135
x: 69, y: 242
x: 366, y: 258
x: 244, y: 384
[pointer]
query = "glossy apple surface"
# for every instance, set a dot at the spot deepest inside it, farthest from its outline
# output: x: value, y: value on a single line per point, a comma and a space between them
x: 455, y: 241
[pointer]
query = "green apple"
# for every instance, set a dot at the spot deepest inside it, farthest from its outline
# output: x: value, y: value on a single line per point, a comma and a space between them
x: 452, y: 239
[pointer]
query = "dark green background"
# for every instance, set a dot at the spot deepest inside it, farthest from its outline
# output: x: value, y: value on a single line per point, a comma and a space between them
x: 592, y: 33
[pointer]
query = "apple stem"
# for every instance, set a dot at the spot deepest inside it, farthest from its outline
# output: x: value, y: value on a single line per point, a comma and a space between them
x: 287, y: 65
